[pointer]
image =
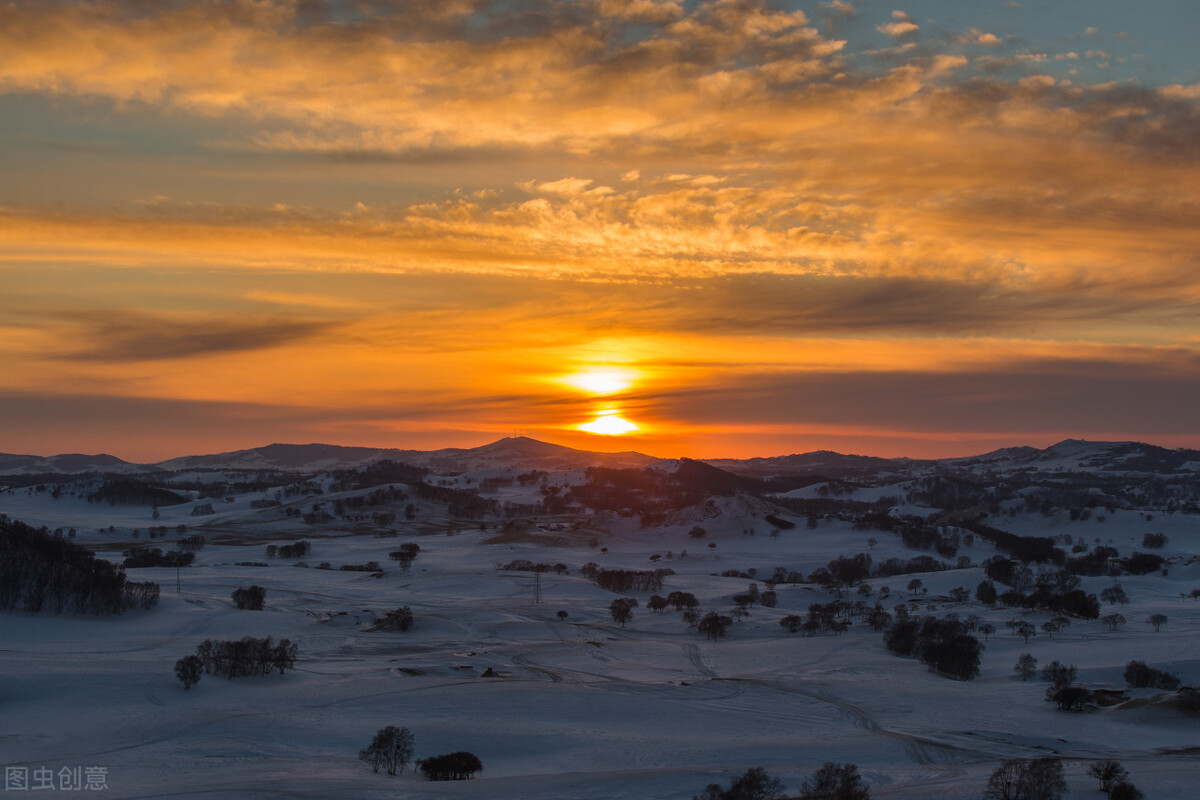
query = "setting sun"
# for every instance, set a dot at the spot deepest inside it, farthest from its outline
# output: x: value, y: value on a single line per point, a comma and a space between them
x: 609, y: 423
x: 602, y: 380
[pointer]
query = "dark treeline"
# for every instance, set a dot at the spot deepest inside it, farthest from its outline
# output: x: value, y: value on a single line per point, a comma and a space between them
x: 246, y: 656
x: 459, y: 503
x: 450, y: 767
x: 138, y: 557
x: 1022, y: 548
x: 40, y: 572
x: 380, y: 473
x: 955, y: 493
x: 298, y: 550
x: 133, y: 492
x: 900, y: 566
x: 945, y: 645
x: 1050, y: 589
x: 625, y: 580
x: 653, y: 493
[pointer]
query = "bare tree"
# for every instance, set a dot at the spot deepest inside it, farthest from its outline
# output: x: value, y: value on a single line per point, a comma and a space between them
x: 1040, y: 779
x: 835, y: 782
x: 1113, y: 621
x: 1107, y: 772
x: 189, y: 669
x: 1026, y: 666
x: 391, y: 748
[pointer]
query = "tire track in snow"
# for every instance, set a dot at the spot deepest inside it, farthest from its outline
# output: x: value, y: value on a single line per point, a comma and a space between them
x: 924, y: 751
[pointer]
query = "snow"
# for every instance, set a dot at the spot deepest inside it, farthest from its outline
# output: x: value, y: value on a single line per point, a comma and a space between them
x: 580, y: 709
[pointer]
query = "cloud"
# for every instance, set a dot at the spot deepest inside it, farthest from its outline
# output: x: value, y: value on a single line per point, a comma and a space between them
x: 130, y: 336
x: 899, y: 28
x: 986, y: 39
x: 399, y: 81
x: 838, y: 7
x: 1057, y: 397
x: 713, y: 179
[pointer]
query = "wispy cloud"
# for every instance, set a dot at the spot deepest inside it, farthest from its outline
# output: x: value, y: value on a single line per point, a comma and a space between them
x: 128, y: 336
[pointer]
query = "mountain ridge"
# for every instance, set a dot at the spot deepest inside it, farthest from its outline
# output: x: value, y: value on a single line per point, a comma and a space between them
x: 528, y: 453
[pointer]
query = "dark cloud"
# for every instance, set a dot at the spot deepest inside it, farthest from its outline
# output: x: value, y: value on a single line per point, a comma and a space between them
x: 768, y: 304
x: 133, y: 336
x: 1055, y: 396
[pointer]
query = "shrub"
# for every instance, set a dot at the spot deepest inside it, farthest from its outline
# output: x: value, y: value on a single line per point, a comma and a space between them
x: 1154, y: 540
x: 399, y: 620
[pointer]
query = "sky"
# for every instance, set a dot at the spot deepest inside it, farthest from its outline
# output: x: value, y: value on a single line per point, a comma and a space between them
x: 721, y: 228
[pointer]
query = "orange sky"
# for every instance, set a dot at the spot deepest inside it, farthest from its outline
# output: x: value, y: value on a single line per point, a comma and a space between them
x: 744, y: 228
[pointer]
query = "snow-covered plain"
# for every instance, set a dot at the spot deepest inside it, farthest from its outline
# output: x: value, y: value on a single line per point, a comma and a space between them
x: 581, y: 708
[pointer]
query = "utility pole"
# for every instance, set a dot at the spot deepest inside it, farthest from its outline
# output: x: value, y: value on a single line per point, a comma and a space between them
x: 537, y: 588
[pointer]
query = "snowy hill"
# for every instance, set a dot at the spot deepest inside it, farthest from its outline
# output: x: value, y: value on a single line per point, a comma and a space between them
x: 514, y: 654
x: 523, y: 453
x: 67, y: 464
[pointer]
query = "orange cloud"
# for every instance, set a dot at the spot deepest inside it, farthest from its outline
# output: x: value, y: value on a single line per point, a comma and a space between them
x: 400, y: 211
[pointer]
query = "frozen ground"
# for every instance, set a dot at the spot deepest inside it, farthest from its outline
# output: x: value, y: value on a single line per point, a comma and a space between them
x: 581, y: 709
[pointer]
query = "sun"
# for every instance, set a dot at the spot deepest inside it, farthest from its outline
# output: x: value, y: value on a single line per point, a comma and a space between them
x: 609, y: 423
x: 602, y: 381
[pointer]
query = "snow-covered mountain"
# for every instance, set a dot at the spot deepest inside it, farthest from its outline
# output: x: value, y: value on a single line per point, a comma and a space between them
x: 1071, y: 455
x: 68, y: 464
x: 514, y: 453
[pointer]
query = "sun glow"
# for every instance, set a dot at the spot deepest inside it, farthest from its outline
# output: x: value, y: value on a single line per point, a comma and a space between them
x: 609, y: 423
x: 602, y: 380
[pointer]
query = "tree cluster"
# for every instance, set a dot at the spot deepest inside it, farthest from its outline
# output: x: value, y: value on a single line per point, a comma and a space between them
x: 1112, y: 780
x: 133, y: 492
x: 625, y: 580
x: 714, y: 625
x: 835, y: 782
x: 138, y: 557
x: 652, y: 493
x: 1049, y: 589
x: 945, y: 645
x: 40, y: 572
x: 754, y: 784
x: 297, y: 550
x: 246, y: 656
x: 370, y: 566
x: 459, y: 503
x: 1140, y: 676
x: 1039, y: 779
x: 1062, y: 690
x: 450, y: 767
x: 250, y: 599
x: 405, y: 555
x: 843, y: 572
